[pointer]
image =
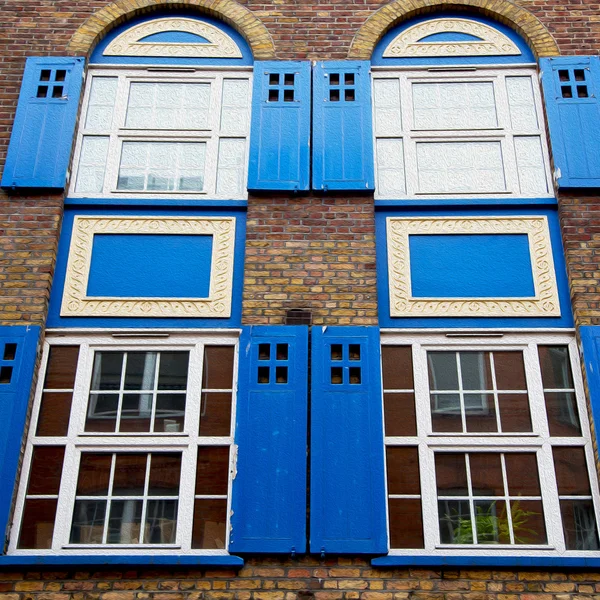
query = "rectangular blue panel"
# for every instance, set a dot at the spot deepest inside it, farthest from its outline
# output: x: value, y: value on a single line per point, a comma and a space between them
x: 347, y: 477
x: 42, y: 136
x: 18, y: 350
x: 342, y: 126
x: 269, y: 490
x: 279, y: 138
x: 470, y: 266
x: 590, y: 340
x: 571, y: 87
x: 150, y: 266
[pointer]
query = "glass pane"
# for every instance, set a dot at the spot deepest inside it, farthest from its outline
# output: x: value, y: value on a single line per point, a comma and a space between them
x: 136, y: 411
x: 218, y: 367
x: 480, y: 413
x: 400, y: 416
x: 556, y: 369
x: 124, y: 522
x: 510, y: 371
x: 579, y: 524
x: 94, y: 474
x: 563, y: 417
x: 165, y: 470
x: 451, y: 474
x: 491, y: 521
x: 397, y: 367
x: 443, y: 373
x: 101, y: 103
x: 102, y: 412
x: 475, y: 370
x: 212, y: 470
x: 46, y: 470
x: 140, y: 371
x: 88, y: 522
x: 92, y: 164
x: 522, y: 474
x: 161, y: 522
x: 571, y: 471
x: 514, y: 412
x: 486, y: 474
x: 455, y: 522
x: 529, y: 526
x: 215, y: 416
x: 37, y: 525
x: 170, y: 413
x: 106, y: 374
x: 445, y: 412
x: 55, y: 412
x: 130, y: 475
x: 173, y: 370
x: 62, y: 365
x: 523, y: 114
x: 210, y: 517
x: 403, y: 470
x: 406, y: 523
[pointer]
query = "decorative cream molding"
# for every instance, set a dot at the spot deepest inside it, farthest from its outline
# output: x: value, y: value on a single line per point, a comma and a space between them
x: 408, y: 44
x: 76, y: 303
x: 545, y: 303
x: 130, y: 43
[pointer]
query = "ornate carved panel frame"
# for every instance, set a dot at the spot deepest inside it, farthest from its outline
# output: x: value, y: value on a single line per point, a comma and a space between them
x: 76, y: 303
x: 545, y: 303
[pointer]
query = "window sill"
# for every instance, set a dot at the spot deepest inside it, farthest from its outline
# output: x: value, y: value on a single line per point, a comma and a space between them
x: 516, y: 200
x: 487, y: 561
x: 156, y: 203
x: 213, y: 560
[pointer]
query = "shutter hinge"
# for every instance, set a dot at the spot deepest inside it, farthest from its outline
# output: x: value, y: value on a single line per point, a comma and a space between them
x: 293, y: 552
x: 322, y: 551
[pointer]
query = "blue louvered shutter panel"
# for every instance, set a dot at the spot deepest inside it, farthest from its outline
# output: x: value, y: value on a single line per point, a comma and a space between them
x: 42, y: 134
x: 269, y: 488
x: 347, y: 476
x: 342, y: 126
x: 279, y: 137
x: 571, y: 88
x: 18, y: 347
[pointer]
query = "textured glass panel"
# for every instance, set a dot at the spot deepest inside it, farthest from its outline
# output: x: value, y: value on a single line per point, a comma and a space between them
x: 231, y: 167
x: 530, y: 165
x: 406, y: 523
x: 101, y: 103
x: 386, y: 98
x: 523, y: 114
x: 391, y: 179
x: 234, y: 107
x: 92, y: 164
x: 460, y: 167
x: 209, y: 528
x: 403, y: 470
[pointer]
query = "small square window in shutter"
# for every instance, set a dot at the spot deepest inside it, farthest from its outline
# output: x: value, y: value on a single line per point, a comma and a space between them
x: 571, y: 86
x: 42, y: 134
x: 18, y: 346
x: 342, y: 126
x: 269, y: 488
x: 347, y: 476
x: 279, y: 138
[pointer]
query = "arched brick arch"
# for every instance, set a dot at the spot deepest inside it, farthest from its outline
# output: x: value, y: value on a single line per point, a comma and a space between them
x: 236, y: 15
x: 519, y: 19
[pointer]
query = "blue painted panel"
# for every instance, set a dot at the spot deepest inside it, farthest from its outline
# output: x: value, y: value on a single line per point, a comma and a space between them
x: 526, y: 55
x: 590, y: 340
x: 566, y: 318
x: 18, y: 351
x: 150, y: 266
x: 279, y: 137
x: 54, y: 318
x: 98, y: 57
x: 571, y: 86
x: 181, y: 37
x: 450, y: 37
x: 42, y: 135
x: 166, y: 560
x: 466, y: 266
x: 269, y: 491
x: 342, y: 126
x: 347, y: 477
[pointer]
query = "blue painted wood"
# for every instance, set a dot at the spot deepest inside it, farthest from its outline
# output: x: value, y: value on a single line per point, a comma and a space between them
x: 590, y: 340
x: 18, y: 349
x: 347, y: 477
x: 487, y: 561
x: 42, y: 135
x: 117, y: 560
x: 571, y: 87
x: 279, y: 137
x: 342, y: 126
x: 269, y: 490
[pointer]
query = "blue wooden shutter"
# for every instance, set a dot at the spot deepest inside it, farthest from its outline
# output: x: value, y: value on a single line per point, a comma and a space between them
x: 279, y: 138
x: 18, y: 346
x: 269, y: 489
x: 42, y: 135
x: 571, y: 88
x: 347, y: 481
x: 590, y: 341
x: 342, y: 126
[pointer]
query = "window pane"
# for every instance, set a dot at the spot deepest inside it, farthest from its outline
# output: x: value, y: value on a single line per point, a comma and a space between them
x: 579, y: 525
x: 218, y: 367
x: 486, y: 474
x: 37, y: 525
x: 522, y: 474
x: 136, y: 411
x: 397, y: 367
x: 101, y: 104
x: 161, y: 522
x: 140, y: 371
x: 165, y: 472
x: 124, y: 522
x: 215, y: 416
x: 523, y: 114
x: 455, y: 522
x: 102, y: 412
x: 480, y: 413
x: 106, y: 374
x: 556, y: 369
x: 571, y: 471
x: 212, y: 470
x: 443, y: 370
x: 94, y: 474
x: 514, y: 412
x: 528, y: 522
x: 446, y: 413
x: 62, y: 365
x: 92, y: 164
x: 210, y: 517
x: 46, y: 470
x: 88, y: 522
x: 406, y: 523
x: 491, y: 521
x: 170, y: 413
x: 510, y: 371
x: 475, y: 370
x: 173, y: 370
x: 403, y: 470
x: 130, y: 475
x: 400, y: 418
x: 54, y: 415
x: 451, y: 474
x: 563, y: 416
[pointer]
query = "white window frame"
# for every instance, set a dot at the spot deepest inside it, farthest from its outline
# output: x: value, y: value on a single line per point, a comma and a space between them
x: 504, y: 133
x: 77, y: 441
x: 538, y: 441
x: 118, y: 133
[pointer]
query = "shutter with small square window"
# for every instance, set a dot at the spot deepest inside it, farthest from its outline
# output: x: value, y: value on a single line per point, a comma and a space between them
x: 571, y: 87
x: 279, y: 138
x: 42, y: 135
x: 347, y: 481
x: 342, y: 126
x: 18, y: 346
x: 269, y: 486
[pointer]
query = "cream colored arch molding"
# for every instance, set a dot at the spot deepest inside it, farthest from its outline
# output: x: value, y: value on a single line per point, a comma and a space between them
x: 131, y: 42
x: 545, y: 303
x: 521, y: 20
x: 239, y: 17
x: 490, y: 42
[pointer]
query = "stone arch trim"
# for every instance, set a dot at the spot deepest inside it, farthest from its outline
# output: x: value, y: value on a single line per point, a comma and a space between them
x: 239, y: 17
x: 521, y: 20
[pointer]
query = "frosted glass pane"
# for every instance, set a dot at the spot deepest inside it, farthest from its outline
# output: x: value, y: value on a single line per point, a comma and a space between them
x: 231, y: 167
x: 460, y: 167
x: 391, y: 179
x: 92, y: 164
x: 386, y: 98
x: 523, y: 114
x: 454, y: 105
x: 101, y: 103
x: 530, y: 165
x: 234, y: 111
